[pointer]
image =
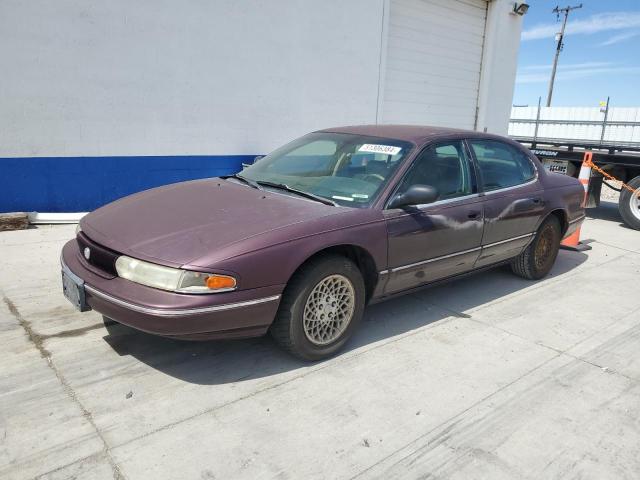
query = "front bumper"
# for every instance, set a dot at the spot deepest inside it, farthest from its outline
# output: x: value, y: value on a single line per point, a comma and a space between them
x: 239, y: 314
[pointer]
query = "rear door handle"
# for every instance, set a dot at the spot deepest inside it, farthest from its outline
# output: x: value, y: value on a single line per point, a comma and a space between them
x: 473, y: 214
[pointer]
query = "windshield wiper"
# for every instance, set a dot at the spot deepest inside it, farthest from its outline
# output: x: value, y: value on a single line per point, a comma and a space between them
x: 251, y: 183
x: 302, y: 193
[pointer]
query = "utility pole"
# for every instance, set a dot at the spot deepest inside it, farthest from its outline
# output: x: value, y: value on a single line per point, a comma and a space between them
x: 560, y: 37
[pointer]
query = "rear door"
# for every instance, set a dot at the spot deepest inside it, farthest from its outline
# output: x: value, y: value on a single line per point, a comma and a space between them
x: 440, y: 239
x: 513, y: 199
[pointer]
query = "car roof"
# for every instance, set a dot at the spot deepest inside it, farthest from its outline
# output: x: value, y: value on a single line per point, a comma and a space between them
x: 417, y: 134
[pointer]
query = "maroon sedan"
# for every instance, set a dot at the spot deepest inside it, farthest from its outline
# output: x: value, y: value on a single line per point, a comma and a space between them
x: 299, y: 242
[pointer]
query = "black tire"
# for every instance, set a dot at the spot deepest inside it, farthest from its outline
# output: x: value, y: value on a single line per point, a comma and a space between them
x: 537, y: 259
x: 630, y: 215
x: 288, y: 328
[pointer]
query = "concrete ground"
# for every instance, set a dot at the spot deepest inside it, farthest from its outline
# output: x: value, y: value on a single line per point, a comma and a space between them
x: 488, y: 377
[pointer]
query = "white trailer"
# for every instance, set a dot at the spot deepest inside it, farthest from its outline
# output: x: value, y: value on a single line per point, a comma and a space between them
x: 559, y: 136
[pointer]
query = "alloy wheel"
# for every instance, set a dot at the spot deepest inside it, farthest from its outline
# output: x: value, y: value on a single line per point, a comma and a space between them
x: 544, y: 247
x: 329, y: 309
x: 634, y: 203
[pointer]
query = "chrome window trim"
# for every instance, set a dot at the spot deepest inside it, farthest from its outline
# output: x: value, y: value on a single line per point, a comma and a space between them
x: 468, y: 159
x: 529, y: 182
x: 423, y: 206
x: 463, y: 252
x: 177, y: 312
x: 479, y: 172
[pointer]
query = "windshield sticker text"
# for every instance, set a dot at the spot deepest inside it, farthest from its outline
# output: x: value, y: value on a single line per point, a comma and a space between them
x: 373, y: 148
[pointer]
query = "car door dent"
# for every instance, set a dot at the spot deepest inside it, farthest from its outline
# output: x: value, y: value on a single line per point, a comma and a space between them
x: 400, y: 275
x: 424, y: 262
x: 430, y: 260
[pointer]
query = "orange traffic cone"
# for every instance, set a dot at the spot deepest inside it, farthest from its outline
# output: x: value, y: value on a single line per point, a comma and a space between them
x: 572, y: 242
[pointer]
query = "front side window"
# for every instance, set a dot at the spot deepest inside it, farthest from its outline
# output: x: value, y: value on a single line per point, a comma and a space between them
x: 443, y: 166
x: 501, y: 165
x: 348, y: 169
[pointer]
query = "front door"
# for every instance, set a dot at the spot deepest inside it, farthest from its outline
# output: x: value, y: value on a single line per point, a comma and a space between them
x: 513, y: 200
x: 433, y: 241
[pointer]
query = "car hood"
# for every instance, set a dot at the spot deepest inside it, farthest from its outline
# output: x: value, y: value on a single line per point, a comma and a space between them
x: 178, y: 223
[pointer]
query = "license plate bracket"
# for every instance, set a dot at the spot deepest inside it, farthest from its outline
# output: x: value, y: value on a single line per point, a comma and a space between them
x: 73, y: 290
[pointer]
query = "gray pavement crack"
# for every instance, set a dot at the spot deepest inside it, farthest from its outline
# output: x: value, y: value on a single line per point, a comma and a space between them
x: 37, y: 341
x: 324, y: 365
x: 546, y: 282
x: 558, y: 353
x: 454, y: 417
x: 615, y: 246
x: 571, y: 347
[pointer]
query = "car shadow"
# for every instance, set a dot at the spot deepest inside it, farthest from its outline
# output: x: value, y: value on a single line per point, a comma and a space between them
x: 607, y: 211
x: 220, y: 362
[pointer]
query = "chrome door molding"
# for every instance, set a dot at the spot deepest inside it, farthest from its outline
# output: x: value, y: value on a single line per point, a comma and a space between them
x: 512, y: 239
x: 424, y: 262
x: 463, y: 252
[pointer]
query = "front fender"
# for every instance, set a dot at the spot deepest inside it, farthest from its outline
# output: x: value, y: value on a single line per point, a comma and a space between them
x: 275, y: 264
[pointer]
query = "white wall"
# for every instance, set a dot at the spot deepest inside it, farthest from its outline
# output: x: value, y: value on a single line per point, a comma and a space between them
x: 499, y: 65
x: 433, y: 62
x: 221, y: 77
x: 162, y: 77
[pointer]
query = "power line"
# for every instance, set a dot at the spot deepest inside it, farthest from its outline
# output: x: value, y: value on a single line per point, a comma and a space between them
x: 560, y: 38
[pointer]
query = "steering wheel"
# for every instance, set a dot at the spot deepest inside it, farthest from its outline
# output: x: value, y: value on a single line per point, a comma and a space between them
x: 372, y: 178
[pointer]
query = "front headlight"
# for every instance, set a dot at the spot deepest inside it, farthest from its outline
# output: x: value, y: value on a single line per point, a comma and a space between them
x: 172, y: 279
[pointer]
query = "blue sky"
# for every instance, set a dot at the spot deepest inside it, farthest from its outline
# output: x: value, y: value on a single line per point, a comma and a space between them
x: 601, y: 55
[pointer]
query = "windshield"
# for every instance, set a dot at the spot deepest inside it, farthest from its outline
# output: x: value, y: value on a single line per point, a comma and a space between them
x: 350, y: 170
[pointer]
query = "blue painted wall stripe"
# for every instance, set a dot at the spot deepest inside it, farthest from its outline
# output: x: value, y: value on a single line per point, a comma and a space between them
x: 80, y: 184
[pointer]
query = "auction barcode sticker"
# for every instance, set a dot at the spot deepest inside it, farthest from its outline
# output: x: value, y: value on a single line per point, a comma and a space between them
x: 373, y: 148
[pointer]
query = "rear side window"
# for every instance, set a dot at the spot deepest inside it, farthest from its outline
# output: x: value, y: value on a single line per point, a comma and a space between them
x: 501, y: 165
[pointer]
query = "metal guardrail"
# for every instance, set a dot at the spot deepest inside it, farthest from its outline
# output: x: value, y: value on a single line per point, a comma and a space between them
x: 575, y: 122
x: 580, y: 143
x: 600, y: 143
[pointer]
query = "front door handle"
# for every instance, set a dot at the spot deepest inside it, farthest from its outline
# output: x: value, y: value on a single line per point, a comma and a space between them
x: 473, y: 214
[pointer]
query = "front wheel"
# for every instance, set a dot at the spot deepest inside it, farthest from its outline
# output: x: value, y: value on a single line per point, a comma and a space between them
x: 537, y: 259
x: 629, y: 204
x: 320, y: 308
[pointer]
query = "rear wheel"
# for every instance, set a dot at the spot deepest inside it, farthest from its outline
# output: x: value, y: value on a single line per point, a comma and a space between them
x: 629, y: 204
x: 320, y: 308
x: 537, y: 259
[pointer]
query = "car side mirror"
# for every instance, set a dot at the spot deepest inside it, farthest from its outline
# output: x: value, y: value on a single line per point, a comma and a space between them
x: 415, y: 195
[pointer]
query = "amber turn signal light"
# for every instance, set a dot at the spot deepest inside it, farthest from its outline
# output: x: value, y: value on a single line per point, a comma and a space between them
x: 217, y: 282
